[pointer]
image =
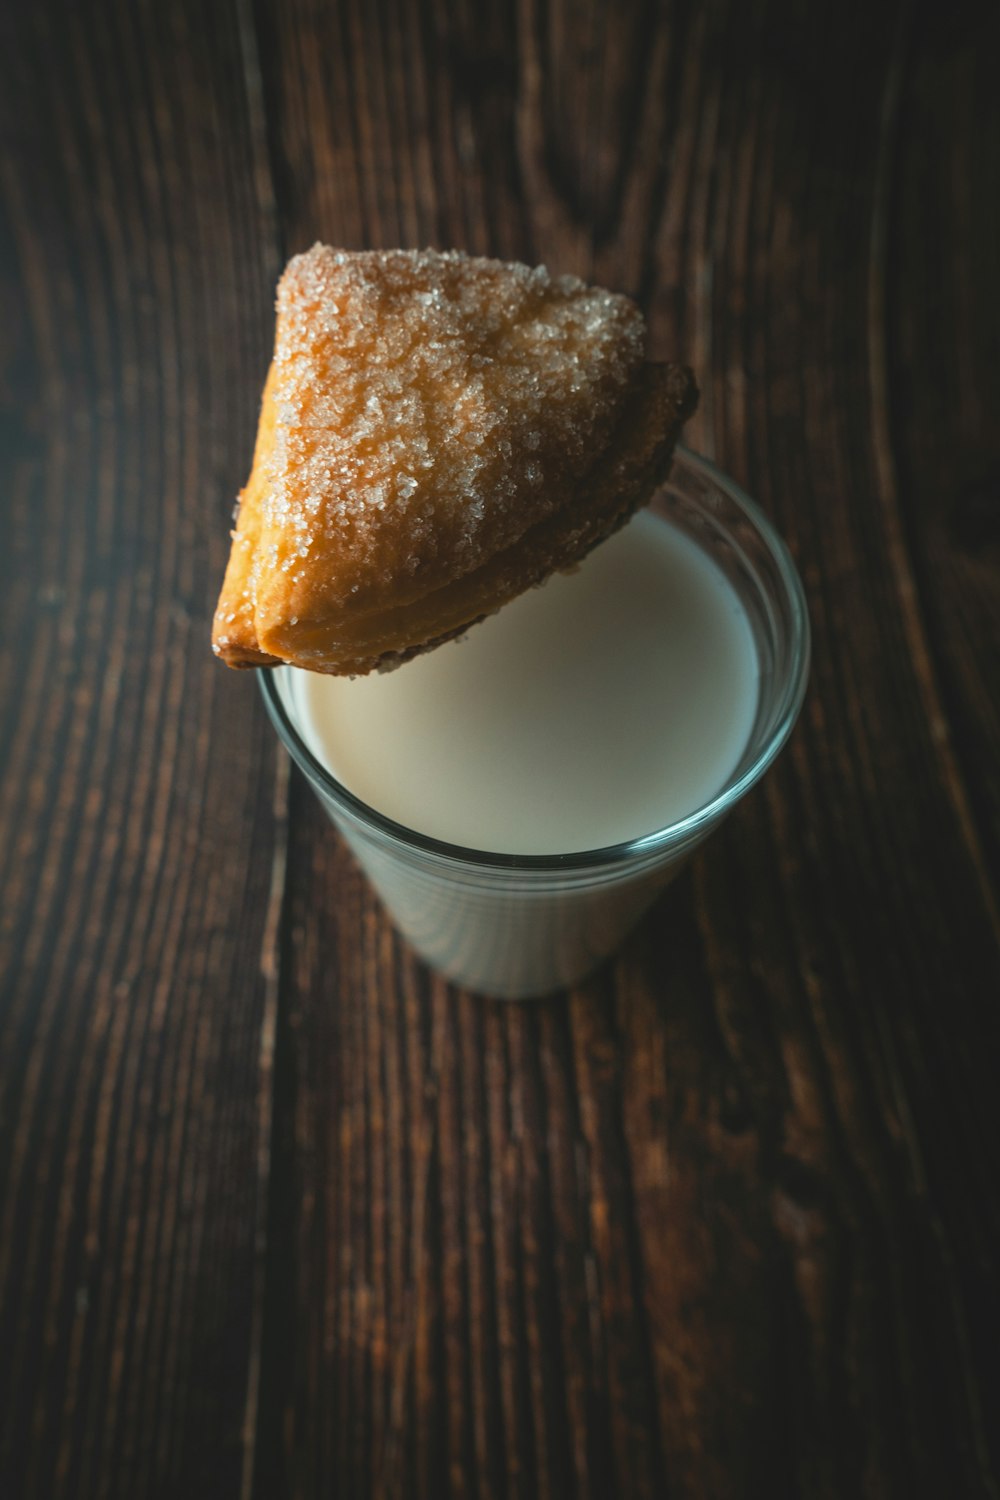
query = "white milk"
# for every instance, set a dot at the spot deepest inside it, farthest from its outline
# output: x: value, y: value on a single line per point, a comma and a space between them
x: 599, y: 708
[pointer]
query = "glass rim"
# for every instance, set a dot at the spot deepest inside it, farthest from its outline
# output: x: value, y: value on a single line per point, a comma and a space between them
x: 679, y: 832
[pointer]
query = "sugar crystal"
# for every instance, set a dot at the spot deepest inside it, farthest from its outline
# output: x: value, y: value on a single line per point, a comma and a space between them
x: 486, y: 380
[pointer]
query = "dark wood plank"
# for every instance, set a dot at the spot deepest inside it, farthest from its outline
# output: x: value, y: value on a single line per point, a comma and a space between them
x: 943, y: 332
x: 723, y: 1221
x: 942, y: 342
x: 137, y: 793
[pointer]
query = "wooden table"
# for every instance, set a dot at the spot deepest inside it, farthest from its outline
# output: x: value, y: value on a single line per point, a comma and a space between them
x: 281, y: 1213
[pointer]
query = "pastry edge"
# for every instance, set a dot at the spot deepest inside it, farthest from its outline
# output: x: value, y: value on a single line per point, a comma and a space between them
x: 238, y: 646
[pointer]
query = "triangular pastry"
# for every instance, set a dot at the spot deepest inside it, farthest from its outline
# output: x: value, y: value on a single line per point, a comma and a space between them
x: 438, y: 433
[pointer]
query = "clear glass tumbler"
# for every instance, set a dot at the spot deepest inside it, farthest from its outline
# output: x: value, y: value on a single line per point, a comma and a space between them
x: 516, y: 927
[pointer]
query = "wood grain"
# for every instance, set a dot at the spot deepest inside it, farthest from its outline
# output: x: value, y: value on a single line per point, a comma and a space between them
x: 136, y: 794
x: 281, y: 1213
x: 678, y: 1233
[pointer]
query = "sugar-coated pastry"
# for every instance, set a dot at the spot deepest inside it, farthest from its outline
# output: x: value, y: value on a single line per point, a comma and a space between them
x: 438, y: 433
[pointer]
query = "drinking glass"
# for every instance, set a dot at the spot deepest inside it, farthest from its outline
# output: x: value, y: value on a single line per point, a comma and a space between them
x: 516, y: 927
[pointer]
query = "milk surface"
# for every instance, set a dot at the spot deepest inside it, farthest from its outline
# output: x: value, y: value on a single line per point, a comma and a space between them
x: 596, y: 709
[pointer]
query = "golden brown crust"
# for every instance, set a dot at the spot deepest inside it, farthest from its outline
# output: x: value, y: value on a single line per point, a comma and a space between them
x: 323, y: 576
x: 234, y: 632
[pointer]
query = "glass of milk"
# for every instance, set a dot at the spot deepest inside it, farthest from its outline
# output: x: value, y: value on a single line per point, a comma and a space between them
x: 519, y: 798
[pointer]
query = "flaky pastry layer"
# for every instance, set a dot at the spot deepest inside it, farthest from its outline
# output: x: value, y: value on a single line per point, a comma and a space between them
x: 437, y: 434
